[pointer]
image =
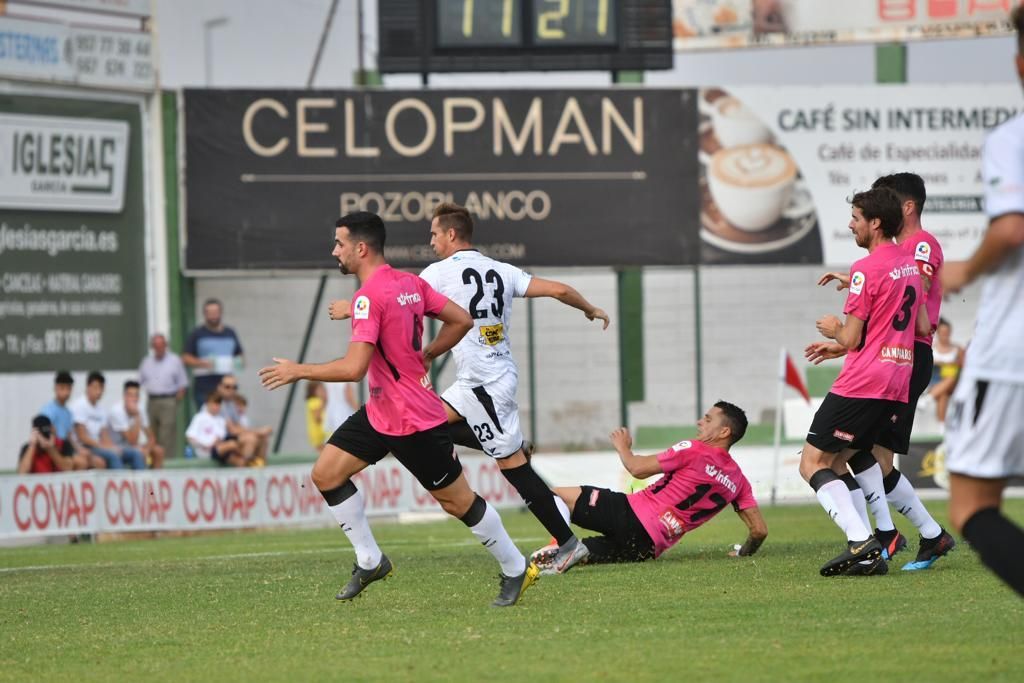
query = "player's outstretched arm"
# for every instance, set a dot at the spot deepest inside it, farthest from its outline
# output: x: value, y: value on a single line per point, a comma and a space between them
x: 758, y: 532
x: 339, y: 310
x: 816, y: 352
x: 350, y: 368
x: 539, y: 287
x: 640, y: 466
x: 1005, y: 233
x: 842, y: 278
x: 456, y: 324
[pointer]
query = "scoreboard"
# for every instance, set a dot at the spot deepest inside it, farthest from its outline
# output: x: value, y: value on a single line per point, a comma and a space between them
x: 424, y: 36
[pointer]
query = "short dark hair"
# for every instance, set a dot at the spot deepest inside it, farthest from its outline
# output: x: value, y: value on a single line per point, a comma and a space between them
x: 214, y: 397
x: 457, y: 218
x: 943, y: 321
x: 907, y: 186
x: 63, y: 377
x: 95, y: 376
x: 212, y: 302
x: 1017, y: 19
x: 883, y: 204
x: 735, y: 419
x: 365, y: 227
x: 131, y: 384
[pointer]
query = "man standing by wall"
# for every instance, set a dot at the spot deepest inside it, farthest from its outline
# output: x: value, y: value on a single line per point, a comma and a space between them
x: 212, y: 351
x: 162, y: 376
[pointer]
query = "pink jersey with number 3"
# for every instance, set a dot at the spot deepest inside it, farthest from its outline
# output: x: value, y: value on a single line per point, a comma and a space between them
x: 927, y: 254
x: 699, y: 481
x: 388, y: 311
x: 885, y: 292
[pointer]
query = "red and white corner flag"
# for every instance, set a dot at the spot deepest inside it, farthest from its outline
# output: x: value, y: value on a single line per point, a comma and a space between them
x: 791, y: 376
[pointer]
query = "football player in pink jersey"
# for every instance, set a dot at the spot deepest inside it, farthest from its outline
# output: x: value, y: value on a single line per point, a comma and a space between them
x: 875, y: 479
x: 700, y: 479
x: 403, y: 415
x: 882, y: 311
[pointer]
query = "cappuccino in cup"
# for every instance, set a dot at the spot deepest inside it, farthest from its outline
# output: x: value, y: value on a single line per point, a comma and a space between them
x: 736, y: 125
x: 751, y: 184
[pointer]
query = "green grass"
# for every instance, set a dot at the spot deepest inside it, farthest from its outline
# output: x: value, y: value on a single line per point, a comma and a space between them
x: 259, y: 606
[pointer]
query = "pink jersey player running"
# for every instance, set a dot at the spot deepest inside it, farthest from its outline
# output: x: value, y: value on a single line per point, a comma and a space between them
x: 403, y: 416
x: 699, y: 480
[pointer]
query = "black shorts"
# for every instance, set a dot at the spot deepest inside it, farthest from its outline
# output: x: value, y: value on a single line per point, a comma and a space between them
x: 222, y: 458
x: 609, y: 513
x: 842, y: 423
x: 896, y: 437
x: 428, y: 455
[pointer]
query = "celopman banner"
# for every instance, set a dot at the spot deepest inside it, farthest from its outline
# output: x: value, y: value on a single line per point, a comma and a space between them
x: 553, y: 177
x: 72, y: 231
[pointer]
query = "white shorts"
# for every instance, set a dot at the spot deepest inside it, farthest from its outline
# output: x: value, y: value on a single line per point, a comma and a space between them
x: 985, y: 429
x: 491, y: 410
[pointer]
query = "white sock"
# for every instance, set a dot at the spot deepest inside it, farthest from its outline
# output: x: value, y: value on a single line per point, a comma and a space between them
x: 906, y: 501
x: 563, y: 508
x: 491, y: 533
x: 861, y: 506
x: 836, y: 499
x: 351, y: 515
x: 870, y: 481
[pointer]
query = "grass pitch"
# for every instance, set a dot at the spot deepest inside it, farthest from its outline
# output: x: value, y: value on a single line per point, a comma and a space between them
x: 260, y: 606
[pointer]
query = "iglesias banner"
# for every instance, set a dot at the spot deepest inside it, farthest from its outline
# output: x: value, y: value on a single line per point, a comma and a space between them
x: 72, y: 234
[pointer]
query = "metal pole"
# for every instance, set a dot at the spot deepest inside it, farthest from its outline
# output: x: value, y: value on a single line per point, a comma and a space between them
x: 778, y: 424
x: 530, y: 353
x: 698, y: 350
x: 322, y: 285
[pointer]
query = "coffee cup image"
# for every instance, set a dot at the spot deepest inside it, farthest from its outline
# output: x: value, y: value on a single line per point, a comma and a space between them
x: 752, y: 185
x: 737, y: 125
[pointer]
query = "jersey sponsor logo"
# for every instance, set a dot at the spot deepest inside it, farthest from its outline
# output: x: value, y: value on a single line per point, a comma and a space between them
x: 425, y: 382
x: 492, y: 335
x: 901, y: 272
x: 672, y: 524
x: 900, y: 355
x: 844, y: 436
x: 406, y: 298
x: 682, y: 446
x: 857, y: 281
x: 923, y: 251
x: 361, y: 308
x: 720, y: 476
x: 927, y: 269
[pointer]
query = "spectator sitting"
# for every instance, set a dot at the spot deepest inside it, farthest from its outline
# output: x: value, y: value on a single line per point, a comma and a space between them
x: 241, y: 407
x: 92, y: 428
x: 62, y: 421
x: 130, y: 427
x: 46, y: 452
x: 252, y: 442
x: 316, y: 413
x: 207, y: 433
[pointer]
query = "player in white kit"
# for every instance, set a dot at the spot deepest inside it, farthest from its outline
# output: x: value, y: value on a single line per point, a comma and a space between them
x: 985, y: 429
x: 483, y: 396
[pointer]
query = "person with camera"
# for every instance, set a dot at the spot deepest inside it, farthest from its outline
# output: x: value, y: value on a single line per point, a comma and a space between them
x: 46, y: 452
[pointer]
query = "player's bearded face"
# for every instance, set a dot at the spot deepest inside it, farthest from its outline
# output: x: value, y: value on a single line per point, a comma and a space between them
x: 343, y: 251
x: 861, y: 228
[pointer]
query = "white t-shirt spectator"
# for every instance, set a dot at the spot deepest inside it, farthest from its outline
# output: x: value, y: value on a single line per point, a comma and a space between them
x: 205, y: 430
x: 121, y: 422
x: 94, y: 417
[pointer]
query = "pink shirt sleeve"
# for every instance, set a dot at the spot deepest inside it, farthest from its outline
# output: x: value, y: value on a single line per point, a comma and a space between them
x: 744, y: 497
x: 366, y: 319
x: 858, y: 301
x: 672, y: 459
x: 433, y: 301
x: 928, y: 255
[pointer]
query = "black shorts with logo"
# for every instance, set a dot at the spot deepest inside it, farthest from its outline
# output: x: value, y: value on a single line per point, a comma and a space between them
x: 625, y: 538
x: 428, y: 455
x: 842, y: 423
x: 897, y: 437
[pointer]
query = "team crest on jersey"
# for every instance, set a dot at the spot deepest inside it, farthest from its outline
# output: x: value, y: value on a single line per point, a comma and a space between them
x: 682, y: 446
x: 361, y: 308
x: 857, y: 281
x: 492, y: 335
x: 923, y: 251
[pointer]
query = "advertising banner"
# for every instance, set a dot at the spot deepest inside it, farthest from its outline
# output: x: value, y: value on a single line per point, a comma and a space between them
x: 72, y: 234
x: 565, y: 177
x: 727, y: 24
x: 101, y: 501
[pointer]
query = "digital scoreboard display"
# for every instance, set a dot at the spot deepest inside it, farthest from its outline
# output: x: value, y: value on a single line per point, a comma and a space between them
x: 524, y: 35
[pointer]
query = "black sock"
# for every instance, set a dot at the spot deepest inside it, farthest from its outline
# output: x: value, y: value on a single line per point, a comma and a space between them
x: 891, y: 479
x: 850, y: 482
x: 999, y: 542
x: 540, y: 500
x: 861, y: 460
x: 463, y: 435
